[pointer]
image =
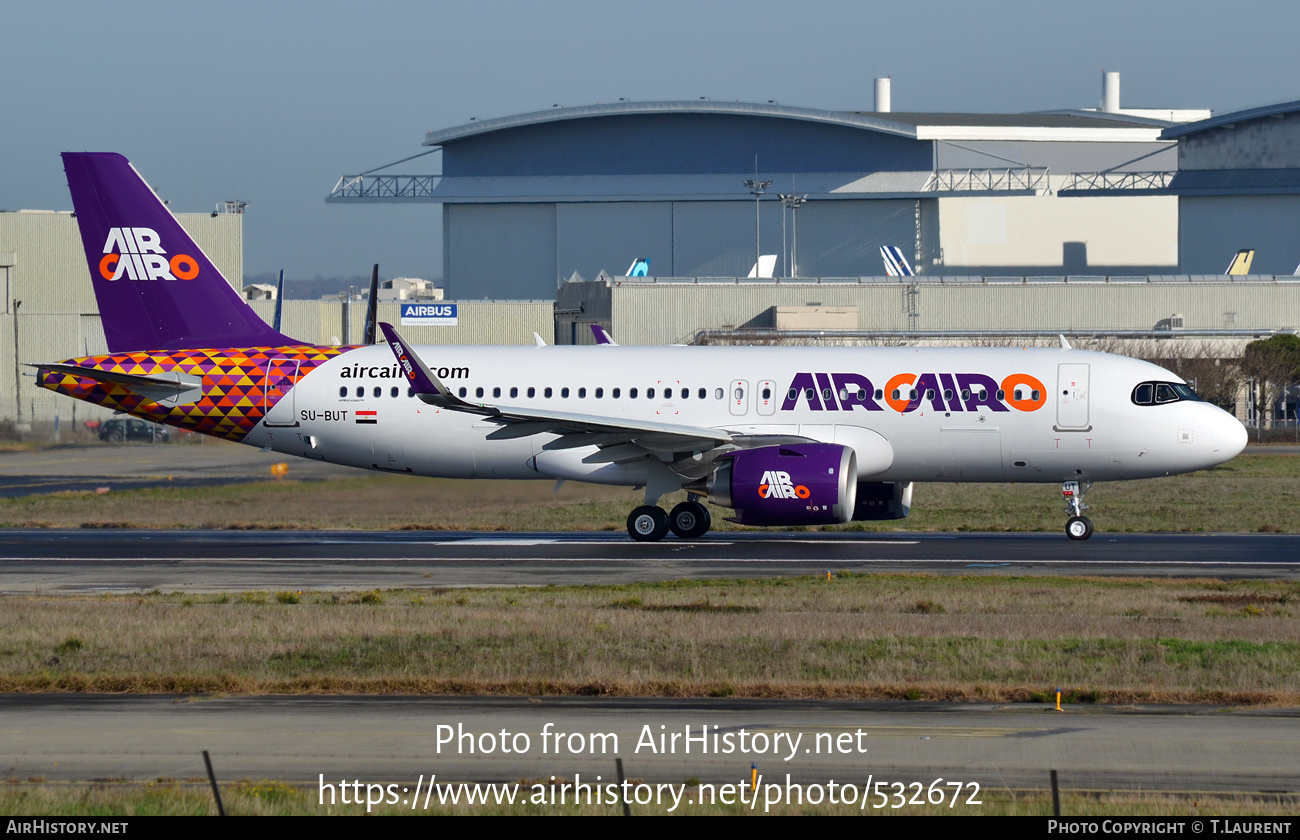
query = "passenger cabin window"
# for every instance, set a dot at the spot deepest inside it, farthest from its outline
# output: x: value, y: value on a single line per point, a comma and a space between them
x: 532, y: 392
x: 496, y: 392
x: 478, y: 392
x: 564, y: 392
x: 702, y: 393
x: 361, y: 392
x: 614, y: 393
x: 343, y: 392
x: 514, y: 392
x: 649, y: 393
x: 717, y: 393
x: 631, y: 393
x: 393, y: 391
x: 767, y: 393
x: 547, y: 393
x: 410, y: 392
x: 582, y: 393
x: 379, y: 392
x: 668, y: 393
x: 600, y: 392
x: 463, y: 392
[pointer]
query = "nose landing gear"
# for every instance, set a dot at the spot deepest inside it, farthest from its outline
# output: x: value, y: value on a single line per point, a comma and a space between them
x: 1078, y: 526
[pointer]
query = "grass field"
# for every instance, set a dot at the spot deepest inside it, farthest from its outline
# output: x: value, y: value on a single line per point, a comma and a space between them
x: 855, y: 636
x: 1251, y: 493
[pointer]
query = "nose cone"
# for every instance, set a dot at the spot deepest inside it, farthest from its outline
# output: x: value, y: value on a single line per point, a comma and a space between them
x: 1229, y: 436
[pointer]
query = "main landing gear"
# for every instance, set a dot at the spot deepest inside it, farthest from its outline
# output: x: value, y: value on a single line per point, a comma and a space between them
x: 688, y: 520
x: 1078, y: 526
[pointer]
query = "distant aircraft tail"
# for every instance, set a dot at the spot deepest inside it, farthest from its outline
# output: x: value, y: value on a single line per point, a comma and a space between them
x: 602, y: 335
x: 1241, y: 263
x: 640, y: 267
x: 765, y: 266
x: 155, y: 287
x: 895, y: 263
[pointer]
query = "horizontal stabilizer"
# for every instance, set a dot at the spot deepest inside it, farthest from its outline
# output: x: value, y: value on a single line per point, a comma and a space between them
x: 164, y: 388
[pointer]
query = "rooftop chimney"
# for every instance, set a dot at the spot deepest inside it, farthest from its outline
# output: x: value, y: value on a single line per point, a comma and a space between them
x: 1110, y: 92
x: 882, y: 96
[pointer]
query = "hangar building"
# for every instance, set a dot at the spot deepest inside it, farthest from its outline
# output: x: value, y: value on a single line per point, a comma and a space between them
x: 1238, y: 186
x: 529, y: 200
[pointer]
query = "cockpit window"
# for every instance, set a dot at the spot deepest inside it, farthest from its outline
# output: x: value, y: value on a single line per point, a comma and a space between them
x: 1159, y: 393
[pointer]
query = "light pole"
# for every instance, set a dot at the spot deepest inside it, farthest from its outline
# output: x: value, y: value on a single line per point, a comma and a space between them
x: 794, y: 202
x: 756, y: 188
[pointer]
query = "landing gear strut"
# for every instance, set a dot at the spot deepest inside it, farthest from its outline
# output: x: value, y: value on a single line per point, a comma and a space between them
x: 1078, y: 526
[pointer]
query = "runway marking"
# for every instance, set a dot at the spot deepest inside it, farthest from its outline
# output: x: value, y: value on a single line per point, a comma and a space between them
x: 378, y: 562
x: 506, y: 541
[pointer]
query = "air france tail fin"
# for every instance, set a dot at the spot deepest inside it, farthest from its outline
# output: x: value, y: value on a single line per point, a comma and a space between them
x: 1241, y: 263
x: 895, y: 263
x: 155, y: 287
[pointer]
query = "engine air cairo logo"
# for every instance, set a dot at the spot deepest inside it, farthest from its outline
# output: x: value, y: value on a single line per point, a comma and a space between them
x: 137, y: 254
x: 776, y: 484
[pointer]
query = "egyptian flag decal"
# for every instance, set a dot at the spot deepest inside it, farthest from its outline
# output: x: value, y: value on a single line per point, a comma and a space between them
x: 367, y: 417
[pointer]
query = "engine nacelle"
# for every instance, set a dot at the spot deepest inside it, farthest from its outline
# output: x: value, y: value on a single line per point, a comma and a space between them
x: 883, y: 500
x: 795, y: 484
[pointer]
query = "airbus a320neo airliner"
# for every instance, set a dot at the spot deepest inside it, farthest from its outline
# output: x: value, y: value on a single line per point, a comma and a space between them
x: 780, y: 435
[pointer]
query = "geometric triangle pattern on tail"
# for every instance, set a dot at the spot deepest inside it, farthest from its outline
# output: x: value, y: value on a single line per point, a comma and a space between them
x: 239, y: 384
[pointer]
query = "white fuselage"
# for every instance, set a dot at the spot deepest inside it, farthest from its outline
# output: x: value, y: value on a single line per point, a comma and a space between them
x: 1084, y: 424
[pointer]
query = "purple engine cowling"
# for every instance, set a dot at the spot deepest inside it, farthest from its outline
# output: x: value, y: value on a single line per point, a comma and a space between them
x: 795, y: 484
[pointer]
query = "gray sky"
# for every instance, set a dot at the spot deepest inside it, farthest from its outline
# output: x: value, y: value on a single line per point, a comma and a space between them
x: 272, y: 102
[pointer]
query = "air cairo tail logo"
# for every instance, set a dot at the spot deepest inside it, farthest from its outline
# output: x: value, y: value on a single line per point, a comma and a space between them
x: 776, y: 484
x: 139, y: 256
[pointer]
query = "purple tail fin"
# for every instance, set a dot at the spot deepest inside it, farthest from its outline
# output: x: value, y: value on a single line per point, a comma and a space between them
x: 156, y: 288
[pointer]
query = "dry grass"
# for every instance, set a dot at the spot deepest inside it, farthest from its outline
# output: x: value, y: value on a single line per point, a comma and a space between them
x: 1257, y: 493
x: 857, y: 636
x: 268, y: 797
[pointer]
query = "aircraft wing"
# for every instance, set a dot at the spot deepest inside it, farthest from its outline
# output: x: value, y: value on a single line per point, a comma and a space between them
x: 167, y: 388
x: 619, y: 439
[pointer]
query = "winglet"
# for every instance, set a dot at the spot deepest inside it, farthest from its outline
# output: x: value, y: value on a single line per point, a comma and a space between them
x: 1065, y: 345
x: 423, y: 381
x: 540, y: 341
x: 602, y: 335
